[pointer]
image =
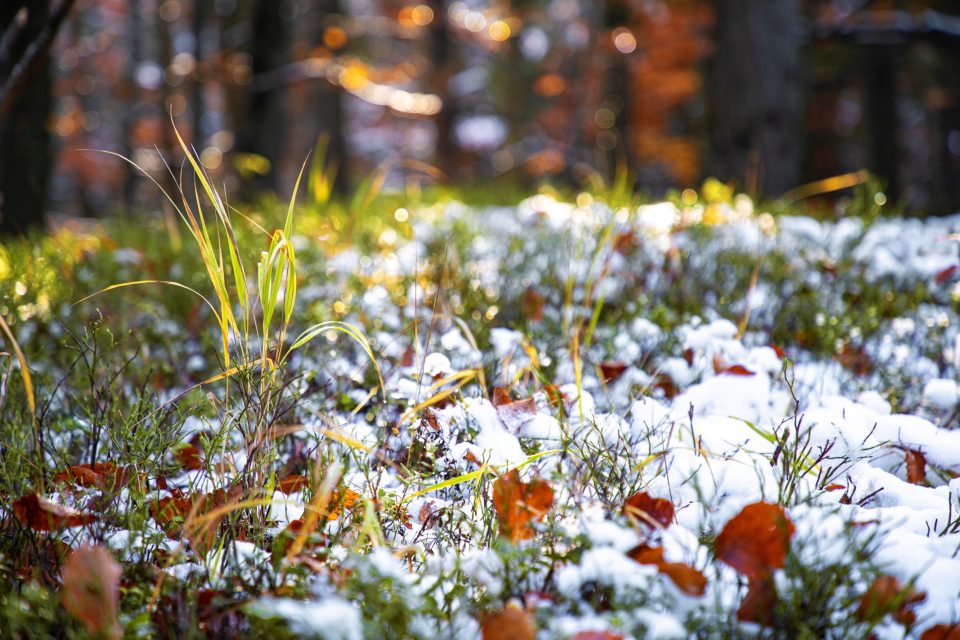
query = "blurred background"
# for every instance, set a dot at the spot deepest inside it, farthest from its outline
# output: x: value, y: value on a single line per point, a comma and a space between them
x: 768, y: 94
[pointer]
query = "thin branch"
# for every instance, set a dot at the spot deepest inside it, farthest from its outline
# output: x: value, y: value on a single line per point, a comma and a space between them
x: 27, y: 64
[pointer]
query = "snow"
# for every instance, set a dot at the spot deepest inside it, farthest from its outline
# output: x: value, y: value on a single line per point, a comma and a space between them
x: 329, y: 619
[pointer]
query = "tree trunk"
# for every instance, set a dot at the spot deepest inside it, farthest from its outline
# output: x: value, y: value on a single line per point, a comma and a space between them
x: 265, y: 130
x: 327, y: 105
x: 442, y: 54
x: 25, y: 154
x: 754, y: 94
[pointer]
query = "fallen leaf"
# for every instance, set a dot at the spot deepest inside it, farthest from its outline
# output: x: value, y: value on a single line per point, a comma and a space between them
x: 720, y: 368
x: 612, y: 370
x: 946, y: 274
x: 105, y: 476
x: 190, y: 455
x: 689, y: 580
x: 649, y: 510
x: 834, y: 487
x: 916, y: 466
x: 91, y: 590
x: 513, y: 413
x: 887, y: 596
x: 756, y: 541
x: 519, y: 504
x: 510, y: 623
x: 41, y: 514
x: 597, y: 635
x: 942, y: 632
x: 760, y: 602
x: 293, y: 482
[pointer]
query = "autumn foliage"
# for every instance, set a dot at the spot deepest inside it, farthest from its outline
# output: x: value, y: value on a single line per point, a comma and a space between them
x: 519, y: 505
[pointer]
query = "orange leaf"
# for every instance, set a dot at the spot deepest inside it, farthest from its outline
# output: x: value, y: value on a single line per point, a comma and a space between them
x: 513, y: 413
x: 887, y: 596
x: 91, y: 590
x: 41, y: 514
x: 510, y: 623
x: 652, y: 511
x: 597, y: 635
x: 756, y: 540
x: 760, y: 602
x: 916, y: 466
x: 736, y: 370
x: 942, y: 632
x: 518, y: 504
x: 689, y: 580
x: 293, y: 482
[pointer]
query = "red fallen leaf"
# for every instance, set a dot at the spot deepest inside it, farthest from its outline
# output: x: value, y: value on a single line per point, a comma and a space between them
x: 916, y: 466
x: 736, y: 370
x: 91, y: 590
x: 777, y: 350
x: 688, y: 356
x: 531, y: 304
x: 105, y: 476
x: 887, y: 596
x: 519, y: 504
x: 612, y: 370
x: 689, y: 580
x: 942, y: 632
x: 648, y: 509
x: 597, y: 635
x: 190, y: 455
x: 41, y: 514
x: 756, y: 540
x: 513, y: 413
x: 855, y: 359
x: 760, y: 602
x: 665, y: 383
x: 946, y: 274
x: 293, y: 482
x: 510, y: 623
x: 834, y: 487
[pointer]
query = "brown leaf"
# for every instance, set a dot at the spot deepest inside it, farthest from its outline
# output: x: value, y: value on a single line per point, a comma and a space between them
x: 519, y: 504
x: 293, y: 482
x: 649, y: 510
x: 510, y: 623
x: 942, y: 632
x: 689, y: 580
x: 946, y: 274
x: 190, y: 456
x: 720, y: 368
x: 513, y: 413
x: 916, y: 466
x: 41, y: 514
x: 612, y: 370
x: 91, y: 590
x: 756, y: 541
x: 105, y: 476
x: 760, y: 602
x: 887, y: 596
x: 597, y: 635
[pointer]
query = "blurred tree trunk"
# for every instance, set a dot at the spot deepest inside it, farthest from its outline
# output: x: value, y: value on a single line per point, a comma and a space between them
x: 264, y: 131
x: 25, y: 153
x: 442, y: 55
x: 880, y: 83
x: 754, y: 91
x: 327, y: 103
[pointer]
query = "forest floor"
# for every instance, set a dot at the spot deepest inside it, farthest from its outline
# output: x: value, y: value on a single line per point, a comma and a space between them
x: 563, y: 419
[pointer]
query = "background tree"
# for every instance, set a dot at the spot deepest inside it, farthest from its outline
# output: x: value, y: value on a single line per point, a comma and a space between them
x: 25, y: 103
x: 754, y: 91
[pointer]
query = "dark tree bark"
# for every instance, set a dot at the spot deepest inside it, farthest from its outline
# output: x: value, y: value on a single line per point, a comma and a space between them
x: 265, y: 129
x: 442, y: 54
x: 25, y: 153
x: 880, y: 82
x: 754, y: 93
x: 327, y: 104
